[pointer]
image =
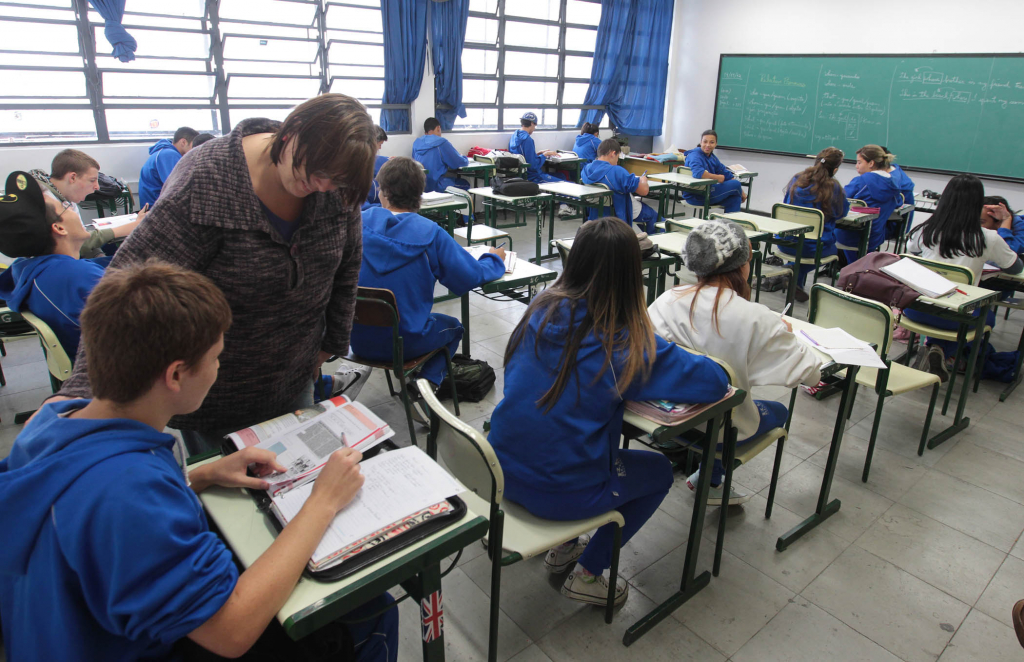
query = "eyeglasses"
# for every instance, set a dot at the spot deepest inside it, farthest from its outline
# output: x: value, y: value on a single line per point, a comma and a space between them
x: 66, y: 205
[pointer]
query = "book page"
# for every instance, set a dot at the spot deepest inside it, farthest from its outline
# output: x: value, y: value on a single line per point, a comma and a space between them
x: 920, y: 277
x: 256, y: 434
x: 111, y: 222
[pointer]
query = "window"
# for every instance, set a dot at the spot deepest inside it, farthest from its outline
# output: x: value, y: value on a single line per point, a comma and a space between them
x: 204, y: 65
x: 527, y: 55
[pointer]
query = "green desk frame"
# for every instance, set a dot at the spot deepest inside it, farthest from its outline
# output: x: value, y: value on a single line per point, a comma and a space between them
x: 510, y: 284
x: 860, y: 223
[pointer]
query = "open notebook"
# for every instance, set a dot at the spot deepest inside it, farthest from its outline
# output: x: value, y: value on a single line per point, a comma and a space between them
x: 479, y: 250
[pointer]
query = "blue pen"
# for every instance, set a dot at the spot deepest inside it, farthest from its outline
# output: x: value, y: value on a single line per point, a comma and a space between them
x: 501, y: 245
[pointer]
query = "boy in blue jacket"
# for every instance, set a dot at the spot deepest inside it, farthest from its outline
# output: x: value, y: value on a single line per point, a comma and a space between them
x: 996, y: 215
x: 407, y: 254
x: 606, y: 170
x: 521, y: 142
x: 703, y: 163
x: 107, y: 552
x: 163, y: 156
x: 50, y: 281
x: 438, y: 156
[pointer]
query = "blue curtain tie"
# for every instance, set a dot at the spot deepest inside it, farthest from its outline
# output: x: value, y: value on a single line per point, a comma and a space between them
x: 124, y: 44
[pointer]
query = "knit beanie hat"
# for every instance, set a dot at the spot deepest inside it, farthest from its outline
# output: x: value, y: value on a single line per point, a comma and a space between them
x: 715, y: 247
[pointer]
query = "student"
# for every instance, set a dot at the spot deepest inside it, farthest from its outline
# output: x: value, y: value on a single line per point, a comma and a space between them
x: 49, y: 280
x: 521, y: 142
x: 817, y: 188
x: 906, y: 186
x: 107, y: 552
x: 438, y: 156
x: 74, y: 175
x: 997, y: 215
x: 407, y: 253
x: 584, y: 347
x: 756, y: 343
x: 876, y: 187
x: 202, y: 138
x: 703, y: 163
x: 163, y: 156
x: 373, y: 197
x: 606, y: 170
x: 954, y: 235
x: 587, y: 143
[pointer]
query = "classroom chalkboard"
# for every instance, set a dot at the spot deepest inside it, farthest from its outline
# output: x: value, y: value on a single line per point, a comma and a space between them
x: 940, y: 113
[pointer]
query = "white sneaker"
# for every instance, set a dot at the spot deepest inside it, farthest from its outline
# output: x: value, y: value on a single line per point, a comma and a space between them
x: 716, y: 495
x: 558, y: 559
x: 565, y: 210
x: 349, y: 379
x: 593, y: 589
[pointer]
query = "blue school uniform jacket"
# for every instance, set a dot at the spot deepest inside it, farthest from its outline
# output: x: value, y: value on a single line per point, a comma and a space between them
x: 619, y: 180
x: 698, y: 162
x: 378, y: 161
x: 904, y: 183
x: 574, y: 445
x: 438, y: 156
x: 876, y: 189
x: 804, y: 197
x: 163, y: 156
x: 586, y: 146
x: 407, y: 254
x: 373, y: 195
x: 1014, y: 237
x: 522, y: 143
x: 107, y: 554
x: 54, y: 289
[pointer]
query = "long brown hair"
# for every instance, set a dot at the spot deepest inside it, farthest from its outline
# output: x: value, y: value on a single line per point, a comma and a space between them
x: 877, y: 155
x: 730, y: 280
x: 820, y: 178
x: 604, y: 274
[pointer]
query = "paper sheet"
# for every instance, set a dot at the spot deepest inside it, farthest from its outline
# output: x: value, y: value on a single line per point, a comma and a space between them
x: 834, y: 338
x: 921, y: 278
x: 862, y: 354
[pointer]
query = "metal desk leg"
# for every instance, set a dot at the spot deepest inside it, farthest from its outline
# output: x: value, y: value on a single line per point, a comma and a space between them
x: 538, y: 212
x: 750, y: 185
x: 960, y: 422
x: 425, y: 588
x: 551, y: 226
x: 707, y: 202
x: 862, y: 248
x: 728, y: 460
x: 691, y: 584
x: 826, y: 508
x: 465, y: 324
x: 1016, y: 370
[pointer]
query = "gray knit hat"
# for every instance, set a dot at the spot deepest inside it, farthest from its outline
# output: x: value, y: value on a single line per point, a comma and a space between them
x: 715, y: 247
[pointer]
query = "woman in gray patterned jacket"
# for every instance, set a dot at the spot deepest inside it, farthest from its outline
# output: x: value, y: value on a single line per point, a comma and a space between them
x: 270, y: 213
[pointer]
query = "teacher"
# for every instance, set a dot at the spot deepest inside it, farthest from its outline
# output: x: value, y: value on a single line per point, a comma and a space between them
x: 270, y: 213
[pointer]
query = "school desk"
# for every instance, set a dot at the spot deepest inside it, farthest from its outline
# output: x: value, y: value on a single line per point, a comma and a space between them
x: 538, y: 205
x: 662, y: 192
x: 446, y: 214
x: 678, y: 246
x: 518, y: 171
x: 477, y: 170
x: 581, y: 196
x: 1006, y: 282
x: 959, y: 307
x: 572, y: 166
x: 713, y: 419
x: 656, y: 267
x: 926, y: 205
x: 312, y: 604
x: 683, y: 182
x: 525, y: 275
x: 903, y: 214
x: 639, y: 166
x: 859, y: 222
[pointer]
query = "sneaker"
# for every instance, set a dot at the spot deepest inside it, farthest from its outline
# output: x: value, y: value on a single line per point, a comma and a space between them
x: 935, y: 360
x: 1018, y: 620
x: 716, y: 495
x: 816, y: 389
x: 800, y: 295
x: 559, y: 559
x: 565, y: 210
x: 593, y: 589
x: 349, y: 379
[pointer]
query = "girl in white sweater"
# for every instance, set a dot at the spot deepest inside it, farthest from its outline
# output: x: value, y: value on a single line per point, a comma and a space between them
x: 716, y: 317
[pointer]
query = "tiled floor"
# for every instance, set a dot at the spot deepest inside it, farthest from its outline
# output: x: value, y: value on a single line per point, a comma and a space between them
x: 923, y: 561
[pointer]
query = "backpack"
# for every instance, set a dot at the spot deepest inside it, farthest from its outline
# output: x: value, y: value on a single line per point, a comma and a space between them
x: 865, y: 278
x: 473, y: 379
x: 514, y: 187
x: 110, y: 188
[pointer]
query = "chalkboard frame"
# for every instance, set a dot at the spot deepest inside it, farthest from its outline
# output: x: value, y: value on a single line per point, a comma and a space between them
x: 985, y: 176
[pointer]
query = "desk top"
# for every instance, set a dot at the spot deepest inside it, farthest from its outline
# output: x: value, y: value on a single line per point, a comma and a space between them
x: 957, y: 302
x: 1016, y: 279
x: 474, y: 166
x: 661, y: 432
x: 575, y: 191
x: 671, y: 242
x: 766, y: 223
x: 680, y: 179
x: 525, y: 273
x: 486, y: 192
x: 856, y: 219
x: 453, y: 205
x: 691, y: 223
x: 655, y: 262
x: 798, y: 325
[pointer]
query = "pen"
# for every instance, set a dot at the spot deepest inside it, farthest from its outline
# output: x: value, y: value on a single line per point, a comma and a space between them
x: 786, y: 309
x: 501, y: 245
x: 961, y: 292
x: 808, y: 337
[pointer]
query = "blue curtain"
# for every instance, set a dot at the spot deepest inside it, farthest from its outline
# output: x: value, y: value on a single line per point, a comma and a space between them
x: 405, y: 53
x: 447, y: 35
x: 112, y: 12
x: 630, y: 71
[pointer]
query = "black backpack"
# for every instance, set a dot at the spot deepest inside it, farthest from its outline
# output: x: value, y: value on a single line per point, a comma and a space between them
x: 514, y: 187
x: 110, y: 188
x: 507, y: 163
x: 473, y: 379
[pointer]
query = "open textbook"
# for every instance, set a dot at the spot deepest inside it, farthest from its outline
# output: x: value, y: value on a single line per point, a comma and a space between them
x: 921, y: 278
x: 563, y: 157
x: 305, y: 440
x: 111, y: 222
x: 738, y: 169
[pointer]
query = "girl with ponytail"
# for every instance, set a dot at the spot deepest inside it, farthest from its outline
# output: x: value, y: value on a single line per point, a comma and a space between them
x: 587, y: 142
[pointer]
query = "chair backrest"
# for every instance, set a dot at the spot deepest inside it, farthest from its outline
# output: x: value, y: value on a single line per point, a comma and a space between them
x: 854, y: 202
x: 461, y: 194
x: 468, y: 456
x: 954, y: 272
x: 802, y: 215
x: 676, y: 226
x: 738, y: 221
x: 57, y: 360
x: 563, y: 252
x: 862, y: 318
x: 376, y: 307
x: 683, y: 170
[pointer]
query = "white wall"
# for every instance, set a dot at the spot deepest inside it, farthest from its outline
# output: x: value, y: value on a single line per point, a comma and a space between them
x: 704, y: 30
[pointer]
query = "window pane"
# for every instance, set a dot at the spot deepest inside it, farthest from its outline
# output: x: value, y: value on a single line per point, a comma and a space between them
x: 160, y: 43
x: 281, y: 50
x: 574, y: 92
x: 279, y: 68
x: 531, y: 64
x: 351, y: 18
x: 34, y: 60
x: 479, y: 91
x: 543, y: 9
x: 105, y: 62
x: 364, y: 90
x: 239, y: 114
x: 272, y: 11
x: 530, y: 91
x: 530, y: 34
x: 273, y: 88
x: 146, y: 123
x: 353, y: 35
x: 587, y: 13
x: 119, y: 84
x: 18, y: 36
x: 356, y: 71
x: 46, y: 125
x: 188, y: 8
x: 27, y: 83
x: 481, y: 31
x: 547, y: 118
x: 356, y: 54
x: 479, y: 62
x: 578, y: 67
x: 488, y: 6
x: 266, y: 31
x: 580, y: 39
x: 570, y: 116
x: 479, y: 119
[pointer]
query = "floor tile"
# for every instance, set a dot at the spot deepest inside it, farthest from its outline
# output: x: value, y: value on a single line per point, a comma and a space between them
x: 22, y: 351
x: 983, y: 638
x: 996, y: 435
x: 25, y: 377
x: 1005, y: 589
x: 985, y: 468
x: 756, y: 475
x: 898, y: 611
x: 23, y: 401
x: 900, y: 430
x: 531, y: 654
x: 891, y: 474
x: 659, y: 536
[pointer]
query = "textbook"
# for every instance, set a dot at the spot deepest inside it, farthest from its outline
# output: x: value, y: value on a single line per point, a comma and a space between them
x: 111, y: 222
x: 921, y: 278
x: 434, y: 198
x: 477, y: 251
x: 669, y: 413
x: 738, y: 169
x: 305, y: 440
x: 563, y: 157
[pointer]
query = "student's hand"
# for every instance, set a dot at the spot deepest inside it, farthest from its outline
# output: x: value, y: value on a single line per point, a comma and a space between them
x: 500, y: 252
x: 550, y: 152
x: 230, y: 471
x: 788, y: 325
x: 721, y: 179
x: 999, y: 213
x: 743, y: 195
x: 142, y: 213
x: 338, y: 481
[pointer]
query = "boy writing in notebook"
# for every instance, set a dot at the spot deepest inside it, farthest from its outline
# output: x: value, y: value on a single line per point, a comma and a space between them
x: 107, y: 552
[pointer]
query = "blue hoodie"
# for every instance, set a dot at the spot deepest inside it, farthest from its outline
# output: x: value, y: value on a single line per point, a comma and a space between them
x: 698, y: 162
x: 378, y: 161
x: 805, y: 197
x: 163, y: 156
x: 54, y: 289
x: 574, y: 445
x: 619, y: 180
x: 586, y: 147
x: 906, y: 187
x: 107, y: 554
x: 877, y: 189
x: 1014, y: 237
x: 407, y: 254
x: 438, y: 156
x: 521, y: 142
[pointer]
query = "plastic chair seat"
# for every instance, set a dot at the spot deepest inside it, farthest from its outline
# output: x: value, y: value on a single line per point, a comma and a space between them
x: 388, y: 365
x: 749, y: 450
x: 1014, y: 304
x: 902, y: 379
x: 482, y: 233
x: 934, y: 332
x: 844, y: 247
x: 804, y: 260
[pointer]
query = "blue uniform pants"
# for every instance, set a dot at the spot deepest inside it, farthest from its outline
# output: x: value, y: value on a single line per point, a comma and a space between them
x: 458, y: 182
x: 542, y: 177
x: 647, y: 219
x: 773, y: 415
x: 728, y: 194
x: 445, y: 331
x: 642, y: 481
x: 807, y: 266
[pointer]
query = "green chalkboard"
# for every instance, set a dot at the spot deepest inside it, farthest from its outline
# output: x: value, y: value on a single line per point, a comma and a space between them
x: 946, y: 113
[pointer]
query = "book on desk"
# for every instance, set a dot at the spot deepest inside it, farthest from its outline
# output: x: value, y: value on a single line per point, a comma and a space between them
x: 670, y: 413
x: 563, y: 157
x: 479, y: 251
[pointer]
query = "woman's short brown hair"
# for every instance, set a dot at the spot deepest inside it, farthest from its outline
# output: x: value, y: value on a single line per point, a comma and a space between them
x: 335, y: 139
x: 402, y: 181
x: 142, y: 318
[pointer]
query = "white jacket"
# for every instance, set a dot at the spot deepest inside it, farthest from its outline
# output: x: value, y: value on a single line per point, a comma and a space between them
x: 752, y: 339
